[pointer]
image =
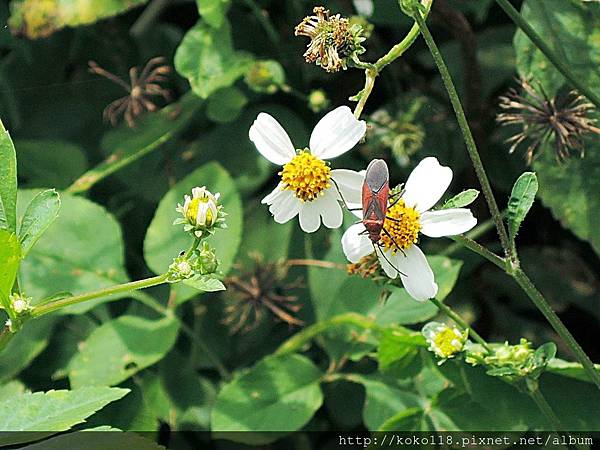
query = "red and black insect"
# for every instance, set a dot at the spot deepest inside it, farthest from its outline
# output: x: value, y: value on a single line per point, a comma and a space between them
x: 375, y: 195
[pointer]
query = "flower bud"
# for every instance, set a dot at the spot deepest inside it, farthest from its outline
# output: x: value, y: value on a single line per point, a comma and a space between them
x: 265, y: 76
x: 201, y: 212
x: 443, y: 340
x: 207, y: 261
x: 180, y: 269
x: 21, y: 304
x: 317, y: 100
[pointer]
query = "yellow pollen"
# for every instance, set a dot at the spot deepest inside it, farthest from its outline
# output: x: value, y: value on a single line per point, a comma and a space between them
x: 446, y: 342
x: 306, y: 175
x: 404, y: 229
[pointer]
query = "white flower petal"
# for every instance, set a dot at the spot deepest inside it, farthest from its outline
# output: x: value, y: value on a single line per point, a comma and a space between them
x: 285, y: 207
x: 447, y: 222
x: 416, y: 275
x: 336, y: 133
x: 271, y: 140
x: 310, y: 216
x: 270, y: 198
x: 387, y: 261
x: 350, y: 184
x: 426, y: 184
x: 355, y: 244
x: 330, y: 210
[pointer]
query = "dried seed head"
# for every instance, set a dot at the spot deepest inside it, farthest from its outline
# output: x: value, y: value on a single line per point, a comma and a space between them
x: 258, y: 291
x: 566, y: 120
x: 332, y: 39
x: 142, y: 90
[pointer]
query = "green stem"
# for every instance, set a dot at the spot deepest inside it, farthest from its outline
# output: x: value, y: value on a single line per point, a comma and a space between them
x: 148, y: 17
x: 372, y: 70
x: 466, y: 131
x: 540, y: 302
x: 303, y: 337
x: 561, y: 64
x: 113, y: 290
x: 264, y: 21
x: 397, y: 50
x: 480, y: 250
x: 461, y: 323
x: 543, y: 405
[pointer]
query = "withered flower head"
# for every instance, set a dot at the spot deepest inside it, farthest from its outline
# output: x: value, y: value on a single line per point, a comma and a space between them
x: 565, y: 119
x: 332, y: 39
x: 260, y: 290
x: 367, y: 267
x: 140, y: 90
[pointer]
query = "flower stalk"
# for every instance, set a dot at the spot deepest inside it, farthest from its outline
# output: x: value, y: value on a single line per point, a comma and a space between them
x: 55, y: 305
x: 512, y: 263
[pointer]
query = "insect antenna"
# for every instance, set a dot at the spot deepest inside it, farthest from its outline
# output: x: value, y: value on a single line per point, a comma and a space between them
x: 386, y: 258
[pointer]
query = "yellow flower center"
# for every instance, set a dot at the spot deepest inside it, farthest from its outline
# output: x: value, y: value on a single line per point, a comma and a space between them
x: 306, y: 175
x: 447, y: 343
x: 192, y: 211
x: 403, y: 229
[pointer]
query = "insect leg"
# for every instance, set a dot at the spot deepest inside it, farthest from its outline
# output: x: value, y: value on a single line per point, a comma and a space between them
x: 395, y: 243
x: 342, y: 197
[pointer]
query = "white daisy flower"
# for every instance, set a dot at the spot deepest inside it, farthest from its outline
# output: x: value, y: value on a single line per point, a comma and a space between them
x: 411, y: 213
x: 308, y: 187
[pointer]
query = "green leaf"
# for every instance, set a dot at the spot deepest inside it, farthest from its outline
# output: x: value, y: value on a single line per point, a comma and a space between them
x: 36, y: 19
x: 277, y: 394
x: 573, y: 31
x: 25, y: 346
x: 205, y: 283
x: 465, y: 198
x: 213, y: 11
x: 10, y: 257
x: 8, y: 182
x: 164, y: 241
x: 400, y: 308
x: 125, y: 145
x: 569, y: 369
x: 398, y: 351
x: 54, y: 410
x: 49, y: 163
x: 520, y: 202
x: 39, y: 215
x: 81, y: 251
x: 11, y: 388
x: 100, y: 438
x: 206, y: 57
x: 384, y: 399
x: 120, y: 348
x: 225, y: 105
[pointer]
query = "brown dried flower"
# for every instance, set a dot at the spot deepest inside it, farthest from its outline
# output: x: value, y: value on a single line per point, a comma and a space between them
x: 332, y: 39
x: 143, y: 86
x: 260, y: 290
x: 566, y: 120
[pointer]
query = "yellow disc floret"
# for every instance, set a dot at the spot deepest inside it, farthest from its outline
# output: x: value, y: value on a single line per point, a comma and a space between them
x: 402, y: 225
x: 306, y: 175
x: 447, y: 342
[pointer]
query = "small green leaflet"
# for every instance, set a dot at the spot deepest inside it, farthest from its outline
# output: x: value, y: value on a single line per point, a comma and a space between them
x: 461, y: 200
x: 205, y: 283
x: 520, y: 202
x: 41, y: 212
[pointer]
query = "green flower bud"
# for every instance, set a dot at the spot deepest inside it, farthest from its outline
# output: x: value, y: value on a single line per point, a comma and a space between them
x: 21, y: 304
x: 180, y: 269
x: 207, y: 261
x: 317, y: 100
x: 265, y: 77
